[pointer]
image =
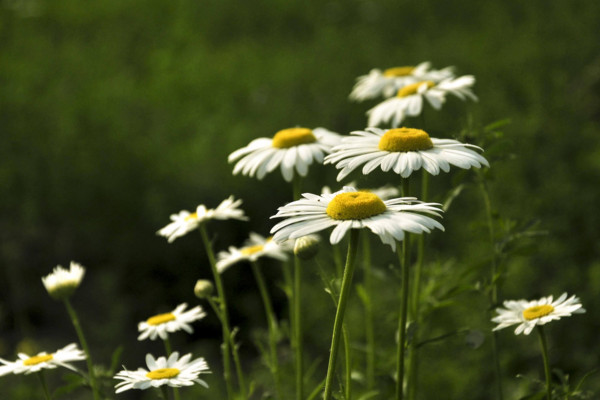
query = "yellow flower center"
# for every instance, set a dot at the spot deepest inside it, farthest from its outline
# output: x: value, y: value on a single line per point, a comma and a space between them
x: 293, y: 137
x: 537, y: 311
x: 355, y: 205
x: 160, y: 319
x: 412, y: 88
x: 405, y: 139
x: 398, y: 71
x: 163, y: 373
x: 191, y: 216
x: 38, y: 359
x: 247, y: 251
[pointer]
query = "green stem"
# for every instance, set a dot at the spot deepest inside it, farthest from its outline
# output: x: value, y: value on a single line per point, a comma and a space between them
x: 42, y: 378
x: 544, y: 346
x: 85, y: 347
x: 272, y: 323
x: 297, y: 325
x: 341, y: 308
x: 403, y: 258
x: 494, y: 281
x: 165, y: 392
x: 348, y: 358
x: 222, y: 306
x: 369, y: 319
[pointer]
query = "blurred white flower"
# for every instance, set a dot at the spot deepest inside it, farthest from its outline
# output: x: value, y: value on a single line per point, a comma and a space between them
x: 403, y: 150
x: 26, y: 364
x: 529, y: 314
x: 185, y: 221
x: 163, y: 324
x: 255, y: 247
x: 350, y: 209
x: 61, y: 283
x: 174, y: 371
x: 409, y: 99
x: 293, y: 149
x: 385, y: 83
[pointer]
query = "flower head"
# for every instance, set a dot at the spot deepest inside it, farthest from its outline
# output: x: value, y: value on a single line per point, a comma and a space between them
x: 409, y: 99
x: 203, y: 288
x: 293, y: 149
x: 26, y: 364
x: 163, y: 324
x: 255, y: 247
x: 385, y: 83
x: 173, y: 371
x: 402, y: 150
x: 351, y: 209
x: 61, y: 283
x: 185, y: 221
x: 528, y: 314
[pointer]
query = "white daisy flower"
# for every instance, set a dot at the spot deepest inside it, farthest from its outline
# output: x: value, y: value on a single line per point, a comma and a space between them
x: 528, y: 314
x: 384, y: 192
x: 290, y: 149
x: 61, y: 283
x: 174, y: 371
x: 351, y: 209
x: 185, y: 221
x: 255, y: 247
x: 385, y: 83
x: 163, y: 324
x: 408, y: 101
x: 27, y: 365
x: 402, y: 150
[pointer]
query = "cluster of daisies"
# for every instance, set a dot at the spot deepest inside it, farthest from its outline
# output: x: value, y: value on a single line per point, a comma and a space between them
x: 393, y: 149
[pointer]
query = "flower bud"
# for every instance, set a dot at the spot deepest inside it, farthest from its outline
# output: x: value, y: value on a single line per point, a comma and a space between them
x: 61, y: 283
x: 203, y: 289
x: 306, y: 247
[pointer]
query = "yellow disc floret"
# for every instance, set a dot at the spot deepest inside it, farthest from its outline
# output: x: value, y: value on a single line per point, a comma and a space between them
x: 163, y: 373
x: 293, y: 137
x: 38, y: 359
x: 248, y: 251
x: 355, y: 205
x: 537, y: 311
x: 405, y: 139
x: 160, y: 319
x: 412, y: 88
x: 398, y: 71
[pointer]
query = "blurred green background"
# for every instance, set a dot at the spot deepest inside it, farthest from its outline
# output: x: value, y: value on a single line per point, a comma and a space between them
x: 115, y: 114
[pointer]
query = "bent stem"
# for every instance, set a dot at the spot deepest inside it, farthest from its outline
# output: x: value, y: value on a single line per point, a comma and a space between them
x: 272, y: 323
x: 228, y: 346
x: 341, y: 309
x: 403, y: 258
x: 84, y: 345
x: 544, y: 347
x: 42, y: 378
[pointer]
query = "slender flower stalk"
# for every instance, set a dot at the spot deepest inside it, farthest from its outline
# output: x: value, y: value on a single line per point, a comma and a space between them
x: 403, y: 258
x: 369, y: 320
x: 297, y: 293
x: 84, y: 346
x: 341, y: 309
x: 272, y: 326
x: 42, y: 379
x: 544, y: 347
x: 228, y: 346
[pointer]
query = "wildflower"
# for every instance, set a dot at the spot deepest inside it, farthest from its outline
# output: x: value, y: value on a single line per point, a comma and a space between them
x: 174, y: 371
x: 162, y: 324
x: 27, y: 365
x: 528, y: 314
x: 185, y: 221
x: 402, y: 150
x: 256, y: 247
x: 385, y: 83
x: 409, y: 99
x: 61, y: 283
x: 203, y: 289
x: 351, y: 209
x: 293, y: 149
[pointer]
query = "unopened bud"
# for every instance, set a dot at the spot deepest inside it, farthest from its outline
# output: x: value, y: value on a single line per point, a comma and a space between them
x: 306, y: 247
x: 203, y: 289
